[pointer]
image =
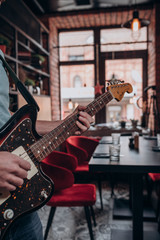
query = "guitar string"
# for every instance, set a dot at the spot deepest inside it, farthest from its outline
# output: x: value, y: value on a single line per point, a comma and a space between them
x: 101, y: 97
x: 61, y: 132
x: 31, y: 154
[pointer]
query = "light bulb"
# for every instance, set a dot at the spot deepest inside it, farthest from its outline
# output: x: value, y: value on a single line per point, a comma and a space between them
x: 135, y: 25
x: 70, y: 104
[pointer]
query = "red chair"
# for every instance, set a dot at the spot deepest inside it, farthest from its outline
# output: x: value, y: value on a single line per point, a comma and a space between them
x: 155, y: 178
x: 82, y: 148
x: 59, y: 167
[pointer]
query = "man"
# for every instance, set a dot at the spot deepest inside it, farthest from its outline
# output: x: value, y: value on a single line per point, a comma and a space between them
x: 13, y: 169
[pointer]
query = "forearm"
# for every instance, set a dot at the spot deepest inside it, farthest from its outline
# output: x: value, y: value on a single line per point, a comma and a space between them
x: 83, y: 122
x: 44, y: 127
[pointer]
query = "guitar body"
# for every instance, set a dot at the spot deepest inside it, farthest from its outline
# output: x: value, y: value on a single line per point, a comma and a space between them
x: 16, y: 136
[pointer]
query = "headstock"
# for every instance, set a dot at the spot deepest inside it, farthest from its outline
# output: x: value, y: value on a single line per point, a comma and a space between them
x: 118, y: 88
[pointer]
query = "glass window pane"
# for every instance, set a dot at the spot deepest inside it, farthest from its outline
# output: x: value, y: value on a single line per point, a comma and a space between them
x: 129, y: 70
x: 76, y: 46
x: 115, y: 39
x: 77, y: 86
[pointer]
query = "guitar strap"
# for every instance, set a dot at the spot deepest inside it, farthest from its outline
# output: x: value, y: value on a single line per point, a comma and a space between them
x: 23, y: 90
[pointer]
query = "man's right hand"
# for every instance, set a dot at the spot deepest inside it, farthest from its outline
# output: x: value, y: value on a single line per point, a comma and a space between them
x: 13, y: 170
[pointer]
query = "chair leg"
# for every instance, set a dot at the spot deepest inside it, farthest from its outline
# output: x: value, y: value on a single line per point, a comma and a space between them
x: 100, y: 190
x: 112, y: 184
x: 149, y: 185
x: 86, y: 208
x: 93, y: 216
x: 49, y: 223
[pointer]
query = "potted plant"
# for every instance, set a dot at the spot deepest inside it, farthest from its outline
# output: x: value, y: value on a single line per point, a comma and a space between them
x: 123, y: 123
x: 4, y: 43
x: 37, y: 60
x: 134, y: 123
x: 30, y: 84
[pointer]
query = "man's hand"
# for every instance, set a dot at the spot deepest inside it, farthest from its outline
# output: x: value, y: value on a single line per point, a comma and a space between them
x: 85, y: 120
x: 13, y: 170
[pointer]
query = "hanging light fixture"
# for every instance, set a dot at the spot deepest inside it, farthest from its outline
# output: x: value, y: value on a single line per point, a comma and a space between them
x: 135, y: 24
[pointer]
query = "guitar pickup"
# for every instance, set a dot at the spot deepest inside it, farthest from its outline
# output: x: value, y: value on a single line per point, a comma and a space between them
x: 20, y: 151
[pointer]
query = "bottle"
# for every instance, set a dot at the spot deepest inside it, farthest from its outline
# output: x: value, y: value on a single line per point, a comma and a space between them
x: 136, y: 141
x: 40, y: 85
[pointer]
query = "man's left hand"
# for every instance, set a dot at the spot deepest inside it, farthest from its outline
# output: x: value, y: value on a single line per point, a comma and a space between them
x: 84, y: 120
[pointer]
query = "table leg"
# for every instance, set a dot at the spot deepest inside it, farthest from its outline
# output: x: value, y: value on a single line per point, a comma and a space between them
x: 137, y: 206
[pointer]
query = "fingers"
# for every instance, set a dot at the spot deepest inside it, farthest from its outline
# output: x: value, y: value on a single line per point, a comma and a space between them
x: 84, y: 122
x: 15, y: 181
x: 81, y: 108
x: 10, y: 182
x: 81, y: 127
x: 6, y: 186
x: 13, y: 171
x: 19, y: 172
x: 20, y: 167
x: 85, y: 118
x: 24, y: 164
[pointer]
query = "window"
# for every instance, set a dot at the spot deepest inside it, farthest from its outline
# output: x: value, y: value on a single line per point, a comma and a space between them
x: 76, y: 57
x: 76, y: 46
x: 77, y: 82
x: 129, y: 70
x: 124, y: 42
x: 77, y: 86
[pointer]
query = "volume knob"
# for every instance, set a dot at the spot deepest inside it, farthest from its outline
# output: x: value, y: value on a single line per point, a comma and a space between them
x: 44, y: 194
x: 8, y: 214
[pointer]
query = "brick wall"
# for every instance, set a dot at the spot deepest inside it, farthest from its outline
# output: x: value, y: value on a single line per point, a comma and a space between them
x: 151, y: 66
x: 158, y: 63
x: 54, y: 72
x: 154, y: 65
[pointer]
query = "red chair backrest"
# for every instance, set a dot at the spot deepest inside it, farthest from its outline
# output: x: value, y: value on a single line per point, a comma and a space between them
x: 77, y: 151
x: 85, y: 144
x: 59, y: 166
x: 62, y: 159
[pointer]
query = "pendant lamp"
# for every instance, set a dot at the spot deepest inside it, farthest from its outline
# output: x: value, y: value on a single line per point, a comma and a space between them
x: 135, y: 24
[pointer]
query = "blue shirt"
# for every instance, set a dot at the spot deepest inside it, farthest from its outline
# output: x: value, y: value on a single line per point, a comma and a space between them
x: 4, y: 95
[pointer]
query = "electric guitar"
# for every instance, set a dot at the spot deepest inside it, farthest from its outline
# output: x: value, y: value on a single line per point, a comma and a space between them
x: 19, y: 137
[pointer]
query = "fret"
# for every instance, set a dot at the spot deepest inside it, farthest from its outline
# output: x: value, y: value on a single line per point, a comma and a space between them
x: 62, y: 130
x: 91, y: 110
x: 98, y: 106
x: 50, y: 148
x: 42, y: 155
x: 99, y: 103
x: 103, y: 102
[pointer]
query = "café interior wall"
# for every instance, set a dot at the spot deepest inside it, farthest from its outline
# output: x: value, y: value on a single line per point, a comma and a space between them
x: 89, y: 20
x: 154, y: 65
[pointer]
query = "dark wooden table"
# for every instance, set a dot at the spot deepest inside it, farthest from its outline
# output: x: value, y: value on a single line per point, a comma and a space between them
x: 135, y: 163
x: 105, y: 131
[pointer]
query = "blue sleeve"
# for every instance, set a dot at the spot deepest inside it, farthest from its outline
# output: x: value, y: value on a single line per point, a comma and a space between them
x: 4, y: 95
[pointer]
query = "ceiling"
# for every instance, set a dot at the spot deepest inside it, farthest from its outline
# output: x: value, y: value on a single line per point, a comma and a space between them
x: 41, y: 7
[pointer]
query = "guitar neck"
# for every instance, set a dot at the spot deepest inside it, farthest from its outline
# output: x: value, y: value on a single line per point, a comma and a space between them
x: 49, y: 142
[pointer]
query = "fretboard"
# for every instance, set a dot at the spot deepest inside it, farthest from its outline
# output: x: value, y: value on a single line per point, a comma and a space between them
x: 50, y: 141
